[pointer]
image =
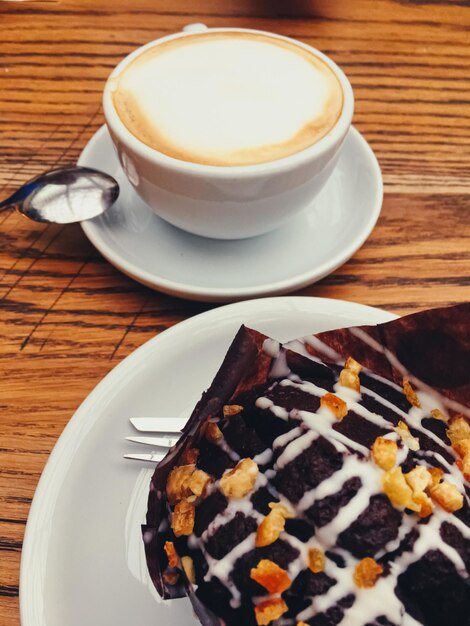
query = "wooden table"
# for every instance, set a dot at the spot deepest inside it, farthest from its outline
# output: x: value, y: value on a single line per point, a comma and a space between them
x: 67, y: 317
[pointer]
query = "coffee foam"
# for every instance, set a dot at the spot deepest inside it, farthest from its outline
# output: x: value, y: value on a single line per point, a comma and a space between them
x: 228, y: 98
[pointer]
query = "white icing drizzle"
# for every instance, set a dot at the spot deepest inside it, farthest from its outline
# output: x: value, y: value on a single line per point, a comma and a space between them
x: 350, y: 396
x: 352, y: 467
x: 263, y: 458
x: 278, y: 411
x: 321, y: 347
x: 284, y: 439
x: 294, y: 448
x: 271, y: 347
x: 430, y: 539
x: 370, y: 476
x: 318, y: 422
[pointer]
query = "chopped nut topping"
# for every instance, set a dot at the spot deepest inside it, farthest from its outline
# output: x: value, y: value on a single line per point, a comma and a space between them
x: 271, y: 576
x: 198, y: 482
x: 384, y: 453
x: 459, y: 428
x: 459, y: 435
x: 462, y: 447
x: 177, y: 486
x: 239, y: 481
x: 186, y: 482
x: 404, y: 432
x: 182, y: 518
x: 316, y: 560
x: 397, y: 489
x: 266, y: 612
x: 272, y: 525
x: 447, y: 496
x: 301, y: 624
x: 436, y: 475
x: 232, y: 409
x: 410, y: 393
x: 438, y: 415
x: 419, y: 479
x: 173, y: 558
x: 171, y: 578
x: 213, y: 432
x: 366, y: 573
x: 338, y: 407
x: 425, y: 504
x: 190, y: 456
x: 188, y: 567
x: 352, y: 365
x: 347, y: 378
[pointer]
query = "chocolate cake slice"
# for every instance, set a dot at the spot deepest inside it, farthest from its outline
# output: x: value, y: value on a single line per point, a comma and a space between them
x: 324, y: 482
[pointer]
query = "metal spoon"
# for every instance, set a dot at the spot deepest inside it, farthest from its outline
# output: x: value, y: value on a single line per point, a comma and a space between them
x: 70, y: 194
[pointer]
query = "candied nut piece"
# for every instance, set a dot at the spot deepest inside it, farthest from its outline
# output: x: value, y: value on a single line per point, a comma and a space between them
x: 462, y: 447
x: 182, y: 518
x: 173, y: 558
x: 239, y: 481
x: 213, y: 432
x: 419, y: 479
x: 352, y: 365
x: 272, y: 525
x: 367, y: 572
x: 410, y: 393
x: 447, y: 496
x: 271, y: 576
x: 316, y: 560
x: 269, y: 610
x: 404, y: 432
x: 436, y: 475
x: 190, y: 456
x: 459, y: 428
x: 198, y: 482
x: 438, y: 415
x: 232, y: 409
x: 384, y: 453
x: 397, y: 490
x: 338, y: 407
x: 188, y: 567
x: 425, y: 504
x: 459, y: 435
x: 347, y: 378
x: 177, y: 486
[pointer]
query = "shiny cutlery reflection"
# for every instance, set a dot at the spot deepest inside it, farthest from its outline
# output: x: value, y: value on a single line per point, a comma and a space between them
x: 156, y: 457
x: 163, y: 442
x: 161, y: 425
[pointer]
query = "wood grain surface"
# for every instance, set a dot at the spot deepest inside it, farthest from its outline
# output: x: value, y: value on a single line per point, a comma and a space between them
x: 67, y: 316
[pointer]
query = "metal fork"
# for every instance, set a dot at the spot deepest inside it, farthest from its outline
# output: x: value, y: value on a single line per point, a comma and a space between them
x: 167, y: 432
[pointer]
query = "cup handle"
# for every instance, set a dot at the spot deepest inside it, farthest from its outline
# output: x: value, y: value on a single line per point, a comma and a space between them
x: 198, y: 27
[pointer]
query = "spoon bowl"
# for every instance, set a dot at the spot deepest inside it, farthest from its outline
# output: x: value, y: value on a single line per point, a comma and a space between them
x: 66, y: 195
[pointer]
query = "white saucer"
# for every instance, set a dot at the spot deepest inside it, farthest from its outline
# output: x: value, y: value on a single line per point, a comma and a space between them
x: 83, y: 562
x: 306, y: 249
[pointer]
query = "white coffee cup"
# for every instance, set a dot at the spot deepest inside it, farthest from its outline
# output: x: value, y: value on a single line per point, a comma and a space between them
x: 229, y: 201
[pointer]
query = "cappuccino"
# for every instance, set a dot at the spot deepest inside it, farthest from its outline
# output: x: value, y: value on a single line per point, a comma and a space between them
x: 227, y: 98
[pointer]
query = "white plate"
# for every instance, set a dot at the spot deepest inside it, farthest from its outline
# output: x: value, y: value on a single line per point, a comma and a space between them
x: 82, y: 561
x: 306, y: 249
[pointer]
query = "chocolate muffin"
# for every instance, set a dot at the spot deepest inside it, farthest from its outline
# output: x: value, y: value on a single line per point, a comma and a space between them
x: 324, y: 482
